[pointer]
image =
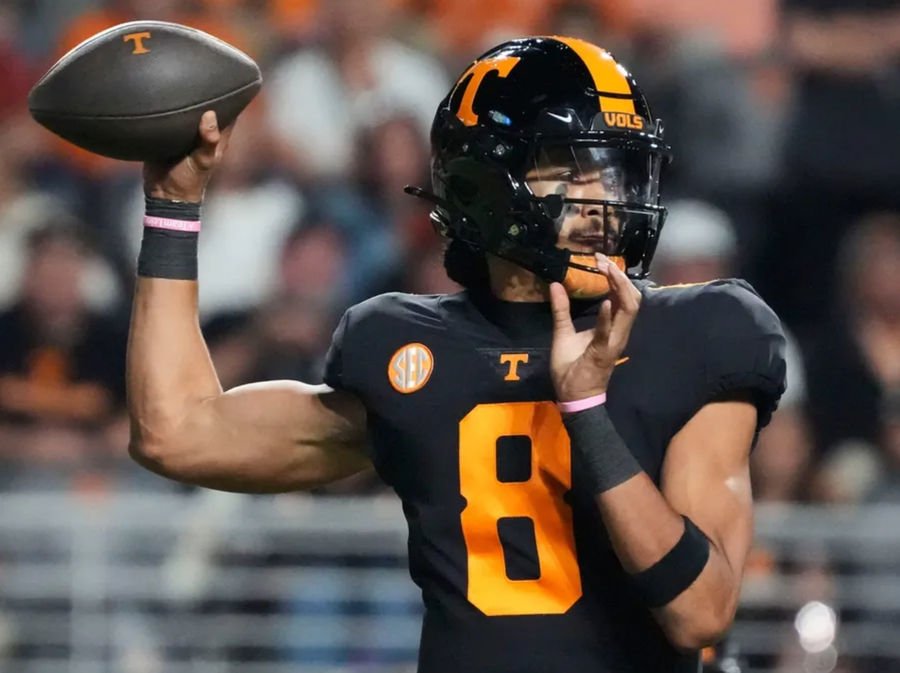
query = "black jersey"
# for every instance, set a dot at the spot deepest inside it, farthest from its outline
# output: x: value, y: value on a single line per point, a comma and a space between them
x: 516, y: 572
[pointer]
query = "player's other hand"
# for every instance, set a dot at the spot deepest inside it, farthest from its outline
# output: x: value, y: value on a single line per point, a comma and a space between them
x: 186, y: 178
x: 581, y: 363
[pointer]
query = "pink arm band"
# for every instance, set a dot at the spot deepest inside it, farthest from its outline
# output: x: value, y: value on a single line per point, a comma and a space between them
x: 581, y: 405
x: 171, y: 224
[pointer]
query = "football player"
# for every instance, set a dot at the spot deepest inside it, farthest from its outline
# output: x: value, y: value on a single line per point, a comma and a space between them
x: 570, y: 443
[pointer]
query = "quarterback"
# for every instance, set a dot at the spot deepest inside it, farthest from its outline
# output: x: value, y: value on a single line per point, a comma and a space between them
x: 570, y: 442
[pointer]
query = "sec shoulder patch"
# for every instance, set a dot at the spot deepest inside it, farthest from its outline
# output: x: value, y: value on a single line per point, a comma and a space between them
x: 410, y: 368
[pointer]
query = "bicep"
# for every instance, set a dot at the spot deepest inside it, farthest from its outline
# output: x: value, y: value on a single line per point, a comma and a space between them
x: 269, y: 437
x: 706, y: 476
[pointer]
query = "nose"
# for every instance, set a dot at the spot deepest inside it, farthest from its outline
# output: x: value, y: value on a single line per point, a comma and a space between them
x: 591, y: 211
x: 589, y: 214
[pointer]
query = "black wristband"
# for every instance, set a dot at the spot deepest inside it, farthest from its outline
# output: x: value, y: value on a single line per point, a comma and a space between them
x: 166, y: 250
x: 168, y: 254
x: 600, y: 458
x: 662, y: 582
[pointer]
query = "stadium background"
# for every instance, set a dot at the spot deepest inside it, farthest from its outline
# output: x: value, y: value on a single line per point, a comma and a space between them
x: 783, y: 121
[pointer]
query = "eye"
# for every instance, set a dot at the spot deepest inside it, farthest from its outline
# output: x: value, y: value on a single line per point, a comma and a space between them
x: 562, y: 175
x: 583, y: 178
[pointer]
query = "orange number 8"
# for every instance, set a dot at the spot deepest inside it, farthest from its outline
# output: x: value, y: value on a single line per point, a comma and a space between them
x: 540, y: 498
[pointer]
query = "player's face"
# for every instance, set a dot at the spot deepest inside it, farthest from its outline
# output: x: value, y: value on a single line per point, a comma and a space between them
x: 584, y: 176
x: 583, y: 227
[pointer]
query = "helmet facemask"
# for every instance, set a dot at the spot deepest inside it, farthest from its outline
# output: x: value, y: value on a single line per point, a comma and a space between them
x: 553, y: 204
x: 604, y: 201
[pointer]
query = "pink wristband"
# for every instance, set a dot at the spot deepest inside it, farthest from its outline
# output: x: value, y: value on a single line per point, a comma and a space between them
x: 171, y: 224
x: 581, y: 405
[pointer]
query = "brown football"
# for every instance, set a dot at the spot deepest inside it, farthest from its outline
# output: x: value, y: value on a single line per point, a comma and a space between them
x: 137, y: 91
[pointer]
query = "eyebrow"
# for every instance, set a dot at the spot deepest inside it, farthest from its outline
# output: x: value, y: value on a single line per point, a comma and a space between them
x: 551, y: 171
x: 594, y: 175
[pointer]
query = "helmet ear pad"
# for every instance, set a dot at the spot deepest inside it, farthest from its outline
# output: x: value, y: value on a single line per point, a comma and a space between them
x: 484, y: 193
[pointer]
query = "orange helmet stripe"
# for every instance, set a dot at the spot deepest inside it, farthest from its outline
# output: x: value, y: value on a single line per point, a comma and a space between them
x: 609, y: 77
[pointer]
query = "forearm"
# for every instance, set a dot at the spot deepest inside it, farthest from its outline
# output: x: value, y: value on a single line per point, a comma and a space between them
x: 675, y: 569
x: 169, y: 370
x: 643, y: 527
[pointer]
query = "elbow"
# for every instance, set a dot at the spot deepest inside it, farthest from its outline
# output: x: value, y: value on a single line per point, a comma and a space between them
x: 144, y: 454
x: 150, y: 449
x: 703, y: 630
x: 692, y: 640
x: 149, y: 455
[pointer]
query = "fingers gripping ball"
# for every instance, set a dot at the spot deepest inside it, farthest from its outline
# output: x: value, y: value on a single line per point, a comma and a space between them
x: 137, y: 91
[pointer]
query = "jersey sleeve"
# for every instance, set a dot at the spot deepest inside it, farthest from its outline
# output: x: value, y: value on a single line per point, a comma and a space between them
x: 334, y: 360
x: 744, y: 347
x: 352, y: 362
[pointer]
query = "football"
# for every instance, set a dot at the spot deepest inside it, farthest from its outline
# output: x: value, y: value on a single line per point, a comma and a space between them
x: 137, y: 91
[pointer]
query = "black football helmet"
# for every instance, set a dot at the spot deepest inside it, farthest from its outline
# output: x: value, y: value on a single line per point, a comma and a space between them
x: 554, y: 104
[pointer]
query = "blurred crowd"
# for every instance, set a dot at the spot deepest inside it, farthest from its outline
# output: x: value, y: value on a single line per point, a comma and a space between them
x: 782, y: 117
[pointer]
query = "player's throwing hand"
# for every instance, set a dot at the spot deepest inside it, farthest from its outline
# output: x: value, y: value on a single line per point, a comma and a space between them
x: 581, y: 363
x: 186, y: 179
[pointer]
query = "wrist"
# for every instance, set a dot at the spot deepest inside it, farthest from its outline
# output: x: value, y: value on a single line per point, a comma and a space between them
x: 565, y: 394
x: 574, y: 406
x: 569, y: 390
x: 600, y: 458
x: 170, y: 209
x: 176, y: 196
x: 169, y: 247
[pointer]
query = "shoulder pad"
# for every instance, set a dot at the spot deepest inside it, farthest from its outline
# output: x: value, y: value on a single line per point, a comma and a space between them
x: 742, y: 339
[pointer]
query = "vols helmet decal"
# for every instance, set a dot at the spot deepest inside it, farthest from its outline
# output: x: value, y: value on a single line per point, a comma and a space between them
x: 473, y: 78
